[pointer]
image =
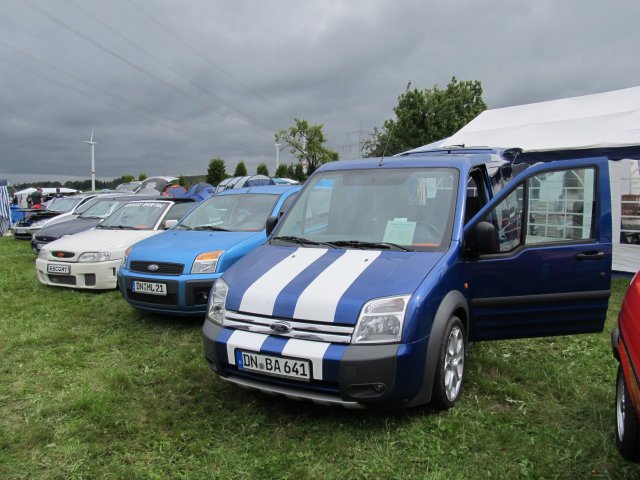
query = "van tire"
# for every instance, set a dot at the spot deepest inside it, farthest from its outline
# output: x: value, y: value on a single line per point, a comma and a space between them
x: 627, y: 425
x: 449, y: 378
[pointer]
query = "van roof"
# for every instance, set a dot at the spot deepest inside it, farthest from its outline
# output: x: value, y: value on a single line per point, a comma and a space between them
x: 461, y: 157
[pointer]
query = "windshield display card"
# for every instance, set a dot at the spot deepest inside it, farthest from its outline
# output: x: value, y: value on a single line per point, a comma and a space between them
x: 399, y: 231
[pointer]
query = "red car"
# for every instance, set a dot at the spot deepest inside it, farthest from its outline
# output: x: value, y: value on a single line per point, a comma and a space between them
x: 625, y: 341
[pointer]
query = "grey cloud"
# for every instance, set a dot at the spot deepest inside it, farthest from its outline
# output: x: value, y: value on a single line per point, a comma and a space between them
x: 153, y: 82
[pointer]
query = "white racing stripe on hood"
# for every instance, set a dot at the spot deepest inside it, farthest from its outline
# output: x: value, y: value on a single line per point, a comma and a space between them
x: 318, y: 302
x: 261, y: 296
x: 244, y: 341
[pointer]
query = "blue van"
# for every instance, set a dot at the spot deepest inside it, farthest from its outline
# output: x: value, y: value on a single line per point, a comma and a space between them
x: 371, y: 286
x: 172, y: 273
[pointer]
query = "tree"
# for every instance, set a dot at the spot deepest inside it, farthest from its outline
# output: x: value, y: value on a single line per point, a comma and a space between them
x: 282, y: 171
x: 306, y: 143
x: 299, y: 173
x: 182, y: 181
x: 142, y: 177
x: 262, y: 169
x: 241, y: 170
x: 217, y: 171
x: 424, y: 116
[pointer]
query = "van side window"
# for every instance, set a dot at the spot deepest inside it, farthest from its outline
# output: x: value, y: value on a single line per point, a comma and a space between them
x: 561, y: 206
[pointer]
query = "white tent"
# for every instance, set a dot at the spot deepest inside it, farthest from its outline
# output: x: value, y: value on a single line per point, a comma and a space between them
x: 608, y: 122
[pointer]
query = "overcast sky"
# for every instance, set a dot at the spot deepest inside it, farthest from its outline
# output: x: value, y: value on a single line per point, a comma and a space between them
x: 167, y: 85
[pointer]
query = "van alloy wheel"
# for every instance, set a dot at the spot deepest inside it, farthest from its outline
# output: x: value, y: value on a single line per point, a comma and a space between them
x: 454, y: 364
x: 449, y: 379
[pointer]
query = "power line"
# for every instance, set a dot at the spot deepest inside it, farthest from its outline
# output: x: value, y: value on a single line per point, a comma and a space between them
x: 243, y: 116
x: 111, y: 52
x: 203, y: 135
x: 207, y: 59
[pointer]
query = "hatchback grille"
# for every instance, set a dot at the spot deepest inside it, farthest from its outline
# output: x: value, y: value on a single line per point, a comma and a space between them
x: 164, y: 268
x: 317, y: 331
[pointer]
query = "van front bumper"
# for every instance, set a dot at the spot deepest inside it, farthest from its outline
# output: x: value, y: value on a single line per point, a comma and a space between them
x: 350, y: 375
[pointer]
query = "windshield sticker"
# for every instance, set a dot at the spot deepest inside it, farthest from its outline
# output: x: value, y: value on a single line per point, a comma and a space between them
x: 399, y: 231
x: 146, y: 204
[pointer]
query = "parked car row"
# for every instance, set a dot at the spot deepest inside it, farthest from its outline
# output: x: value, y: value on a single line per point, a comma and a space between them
x: 365, y: 286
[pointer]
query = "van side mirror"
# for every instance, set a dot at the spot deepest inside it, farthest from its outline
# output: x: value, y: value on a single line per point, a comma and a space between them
x: 271, y: 224
x: 485, y: 238
x: 170, y: 224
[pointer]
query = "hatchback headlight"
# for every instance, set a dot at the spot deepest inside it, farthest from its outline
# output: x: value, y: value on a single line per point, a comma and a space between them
x: 94, y: 257
x: 206, y: 262
x: 217, y: 299
x: 123, y: 262
x: 381, y: 320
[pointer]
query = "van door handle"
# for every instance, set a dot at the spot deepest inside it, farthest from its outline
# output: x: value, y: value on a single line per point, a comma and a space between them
x: 593, y: 255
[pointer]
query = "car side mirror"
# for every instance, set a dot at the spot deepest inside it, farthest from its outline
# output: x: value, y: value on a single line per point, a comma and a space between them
x: 271, y: 224
x: 485, y: 238
x: 170, y: 224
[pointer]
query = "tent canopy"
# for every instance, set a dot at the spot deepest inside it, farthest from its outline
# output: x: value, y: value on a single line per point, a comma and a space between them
x: 602, y: 121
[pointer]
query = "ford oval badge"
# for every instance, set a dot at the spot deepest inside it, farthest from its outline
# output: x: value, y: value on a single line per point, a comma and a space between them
x: 153, y: 267
x: 281, y: 327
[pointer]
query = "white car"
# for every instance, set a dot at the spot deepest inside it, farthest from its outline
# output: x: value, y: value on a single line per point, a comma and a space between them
x: 90, y: 259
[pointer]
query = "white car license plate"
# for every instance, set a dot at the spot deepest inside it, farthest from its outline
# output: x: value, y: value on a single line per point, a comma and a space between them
x: 274, y: 366
x: 150, y: 288
x: 59, y: 269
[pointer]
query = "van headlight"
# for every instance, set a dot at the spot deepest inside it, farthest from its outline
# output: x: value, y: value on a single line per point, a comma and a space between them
x: 93, y: 257
x: 206, y: 262
x: 217, y: 299
x: 381, y: 320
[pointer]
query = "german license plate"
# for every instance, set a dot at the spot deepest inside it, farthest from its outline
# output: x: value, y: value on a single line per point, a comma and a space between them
x: 150, y: 288
x: 59, y: 269
x: 274, y: 366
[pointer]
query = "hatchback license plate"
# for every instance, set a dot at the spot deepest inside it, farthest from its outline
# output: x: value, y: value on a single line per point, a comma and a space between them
x: 274, y: 366
x: 150, y: 288
x: 59, y: 269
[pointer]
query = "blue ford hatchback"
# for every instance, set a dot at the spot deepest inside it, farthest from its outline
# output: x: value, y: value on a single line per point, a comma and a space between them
x: 172, y: 273
x: 370, y: 287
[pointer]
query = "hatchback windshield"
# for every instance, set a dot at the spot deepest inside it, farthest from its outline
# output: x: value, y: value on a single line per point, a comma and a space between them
x: 402, y: 208
x: 64, y: 204
x: 136, y: 216
x: 242, y: 212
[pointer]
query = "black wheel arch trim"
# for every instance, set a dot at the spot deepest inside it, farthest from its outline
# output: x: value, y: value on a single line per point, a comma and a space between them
x: 452, y: 302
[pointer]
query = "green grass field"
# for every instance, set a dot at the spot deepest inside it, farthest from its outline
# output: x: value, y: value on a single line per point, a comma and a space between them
x: 89, y: 388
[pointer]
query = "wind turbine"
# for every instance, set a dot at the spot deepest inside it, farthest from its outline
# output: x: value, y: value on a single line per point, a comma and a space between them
x: 92, y: 144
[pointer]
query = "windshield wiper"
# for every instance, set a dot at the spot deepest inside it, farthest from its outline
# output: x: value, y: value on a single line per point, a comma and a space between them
x: 365, y: 245
x: 183, y: 227
x: 211, y: 227
x: 122, y: 227
x: 302, y: 241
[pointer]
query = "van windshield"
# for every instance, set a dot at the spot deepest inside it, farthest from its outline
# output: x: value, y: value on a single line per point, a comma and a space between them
x: 401, y: 208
